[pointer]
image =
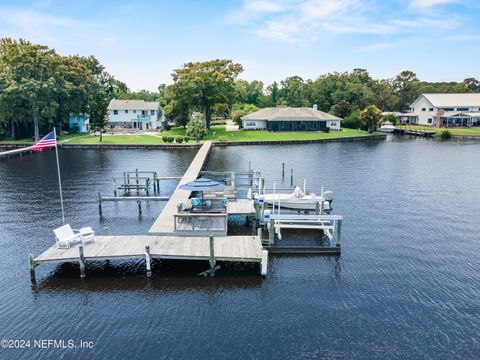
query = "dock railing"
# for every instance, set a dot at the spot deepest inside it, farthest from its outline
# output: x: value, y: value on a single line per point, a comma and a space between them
x: 201, y: 222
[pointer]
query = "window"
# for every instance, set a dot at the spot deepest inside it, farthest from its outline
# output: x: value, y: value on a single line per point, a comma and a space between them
x: 152, y: 112
x: 251, y: 123
x: 463, y: 109
x: 424, y: 109
x: 431, y: 109
x: 134, y: 111
x: 126, y: 111
x: 413, y: 109
x: 430, y: 120
x: 448, y: 109
x: 115, y: 112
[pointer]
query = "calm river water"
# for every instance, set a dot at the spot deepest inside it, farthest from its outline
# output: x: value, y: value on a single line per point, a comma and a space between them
x: 407, y: 285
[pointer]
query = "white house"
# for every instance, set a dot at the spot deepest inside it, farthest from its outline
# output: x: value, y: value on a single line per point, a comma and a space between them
x: 444, y: 110
x: 135, y: 114
x: 283, y: 118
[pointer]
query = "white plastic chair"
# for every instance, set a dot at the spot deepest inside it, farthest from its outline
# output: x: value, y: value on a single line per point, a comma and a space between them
x: 66, y: 237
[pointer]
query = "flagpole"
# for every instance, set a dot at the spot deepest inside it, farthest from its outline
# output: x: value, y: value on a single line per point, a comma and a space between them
x: 59, y: 178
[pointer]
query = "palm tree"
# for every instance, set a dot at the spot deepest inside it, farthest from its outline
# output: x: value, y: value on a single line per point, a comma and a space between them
x: 371, y: 115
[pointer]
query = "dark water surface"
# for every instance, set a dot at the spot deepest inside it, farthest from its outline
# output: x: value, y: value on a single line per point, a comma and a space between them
x: 407, y: 285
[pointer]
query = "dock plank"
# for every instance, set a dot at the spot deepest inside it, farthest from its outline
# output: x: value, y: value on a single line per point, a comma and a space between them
x: 227, y: 248
x: 164, y: 224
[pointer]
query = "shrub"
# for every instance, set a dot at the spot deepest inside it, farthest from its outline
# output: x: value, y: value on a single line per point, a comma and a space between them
x: 164, y: 138
x: 186, y: 138
x: 196, y: 129
x: 179, y: 139
x: 446, y: 135
x: 326, y: 130
x: 168, y: 139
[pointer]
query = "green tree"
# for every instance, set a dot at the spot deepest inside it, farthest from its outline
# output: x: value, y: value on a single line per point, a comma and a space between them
x: 371, y: 115
x: 28, y: 72
x: 272, y: 91
x: 204, y: 84
x: 472, y: 84
x: 406, y: 86
x: 103, y: 89
x: 196, y: 129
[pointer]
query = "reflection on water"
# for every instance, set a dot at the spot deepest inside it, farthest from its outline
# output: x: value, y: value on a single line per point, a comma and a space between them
x: 405, y: 286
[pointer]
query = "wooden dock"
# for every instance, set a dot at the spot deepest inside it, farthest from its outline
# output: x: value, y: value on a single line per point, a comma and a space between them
x: 212, y: 249
x: 164, y: 225
x: 226, y: 248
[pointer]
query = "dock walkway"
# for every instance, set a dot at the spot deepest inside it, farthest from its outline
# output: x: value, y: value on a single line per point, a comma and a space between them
x: 231, y: 248
x: 164, y: 225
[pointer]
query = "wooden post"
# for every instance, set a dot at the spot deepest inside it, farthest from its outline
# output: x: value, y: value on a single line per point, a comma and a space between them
x: 139, y: 207
x: 147, y: 183
x: 322, y: 207
x: 114, y: 188
x: 264, y: 264
x: 338, y: 232
x: 136, y: 180
x: 283, y: 170
x: 317, y: 208
x: 148, y: 260
x: 257, y: 211
x: 81, y: 260
x: 291, y: 177
x: 99, y: 204
x: 259, y: 233
x: 271, y: 233
x: 155, y: 184
x: 212, y: 255
x: 32, y: 267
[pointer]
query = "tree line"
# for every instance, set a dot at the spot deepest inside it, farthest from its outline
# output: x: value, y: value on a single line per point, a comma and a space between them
x: 40, y: 89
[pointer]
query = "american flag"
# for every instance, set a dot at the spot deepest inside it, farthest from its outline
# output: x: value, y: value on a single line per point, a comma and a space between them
x: 48, y: 141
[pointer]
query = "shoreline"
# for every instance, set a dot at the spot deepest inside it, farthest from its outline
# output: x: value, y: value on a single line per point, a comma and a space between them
x: 195, y: 145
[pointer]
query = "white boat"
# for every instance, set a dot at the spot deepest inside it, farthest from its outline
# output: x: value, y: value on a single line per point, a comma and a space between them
x: 386, y: 127
x: 297, y: 200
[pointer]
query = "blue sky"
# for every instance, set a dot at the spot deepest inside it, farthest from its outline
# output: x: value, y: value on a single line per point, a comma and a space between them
x: 141, y: 42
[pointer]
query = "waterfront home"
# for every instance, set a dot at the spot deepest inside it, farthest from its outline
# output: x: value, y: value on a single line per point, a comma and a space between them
x: 80, y: 123
x: 443, y: 110
x: 135, y: 115
x: 284, y: 118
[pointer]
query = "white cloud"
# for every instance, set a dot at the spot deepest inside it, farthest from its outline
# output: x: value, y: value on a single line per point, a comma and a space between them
x: 304, y: 21
x: 29, y: 19
x: 425, y: 4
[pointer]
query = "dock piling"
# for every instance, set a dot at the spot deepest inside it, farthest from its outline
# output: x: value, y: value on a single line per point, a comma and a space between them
x: 212, y: 255
x: 148, y: 260
x: 99, y: 204
x: 283, y: 170
x: 139, y: 208
x: 271, y: 233
x: 291, y: 177
x: 338, y: 232
x: 32, y: 267
x: 259, y: 233
x: 264, y: 263
x: 317, y: 208
x: 81, y: 261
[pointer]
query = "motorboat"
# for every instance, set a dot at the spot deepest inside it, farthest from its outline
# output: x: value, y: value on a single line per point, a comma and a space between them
x: 386, y: 127
x: 297, y: 200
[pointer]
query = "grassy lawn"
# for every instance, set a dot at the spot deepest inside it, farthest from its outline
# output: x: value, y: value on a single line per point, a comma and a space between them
x: 216, y: 133
x: 117, y: 140
x: 455, y: 131
x: 62, y: 138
